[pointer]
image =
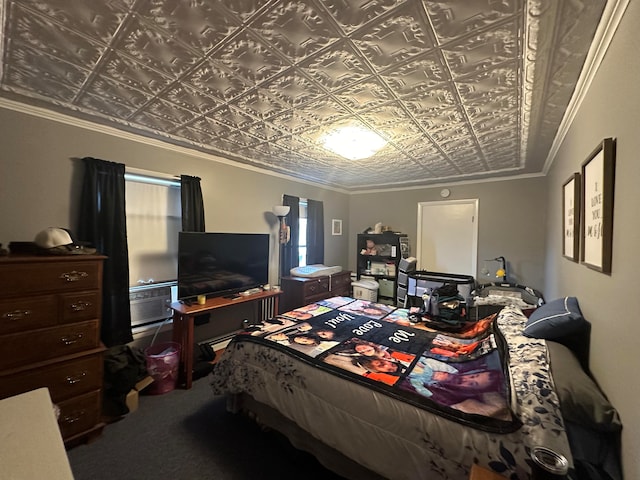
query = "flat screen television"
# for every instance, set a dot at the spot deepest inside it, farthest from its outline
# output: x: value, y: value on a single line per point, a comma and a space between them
x: 220, y: 264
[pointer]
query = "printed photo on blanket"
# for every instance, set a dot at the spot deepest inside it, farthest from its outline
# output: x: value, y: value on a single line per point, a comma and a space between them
x: 371, y: 360
x: 368, y: 309
x: 268, y: 326
x: 399, y: 316
x: 308, y: 339
x: 475, y: 386
x: 452, y: 349
x: 307, y: 312
x: 335, y: 302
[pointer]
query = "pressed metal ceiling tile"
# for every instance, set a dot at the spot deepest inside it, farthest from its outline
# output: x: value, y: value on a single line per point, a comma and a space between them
x: 104, y: 106
x: 336, y: 68
x: 214, y: 79
x: 294, y: 89
x: 188, y: 97
x: 462, y: 90
x: 38, y: 63
x: 54, y: 40
x: 296, y: 29
x: 453, y: 19
x: 113, y: 91
x: 134, y: 74
x: 354, y: 14
x: 198, y: 25
x: 175, y: 114
x: 157, y: 49
x: 98, y: 20
x: 248, y: 57
x: 396, y: 38
x: 418, y: 75
x: 37, y: 86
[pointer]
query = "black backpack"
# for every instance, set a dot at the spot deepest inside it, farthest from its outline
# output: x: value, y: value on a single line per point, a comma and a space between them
x: 445, y: 304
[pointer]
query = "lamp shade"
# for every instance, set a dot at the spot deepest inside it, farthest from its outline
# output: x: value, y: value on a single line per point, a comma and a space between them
x: 281, y: 210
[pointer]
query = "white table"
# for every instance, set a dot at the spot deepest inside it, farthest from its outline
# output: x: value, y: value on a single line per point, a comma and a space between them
x: 31, y: 445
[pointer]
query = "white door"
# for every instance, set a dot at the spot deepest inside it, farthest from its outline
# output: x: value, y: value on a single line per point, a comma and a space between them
x: 448, y: 236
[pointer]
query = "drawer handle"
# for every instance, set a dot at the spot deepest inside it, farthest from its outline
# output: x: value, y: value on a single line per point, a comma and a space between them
x: 73, y: 379
x: 71, y: 339
x: 80, y: 306
x: 75, y: 417
x: 73, y: 276
x: 17, y: 314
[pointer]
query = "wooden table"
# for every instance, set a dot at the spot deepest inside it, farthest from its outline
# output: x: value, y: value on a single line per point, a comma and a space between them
x: 266, y: 306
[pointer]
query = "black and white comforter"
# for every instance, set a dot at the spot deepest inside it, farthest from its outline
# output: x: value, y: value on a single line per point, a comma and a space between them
x: 396, y: 438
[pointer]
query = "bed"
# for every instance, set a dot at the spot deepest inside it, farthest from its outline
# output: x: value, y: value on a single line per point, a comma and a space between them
x: 395, y: 425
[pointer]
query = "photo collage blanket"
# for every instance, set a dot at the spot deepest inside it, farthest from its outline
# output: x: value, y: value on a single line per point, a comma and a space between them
x: 461, y: 375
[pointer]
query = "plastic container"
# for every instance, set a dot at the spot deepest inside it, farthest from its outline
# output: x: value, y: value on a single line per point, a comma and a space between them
x: 163, y: 360
x: 365, y: 290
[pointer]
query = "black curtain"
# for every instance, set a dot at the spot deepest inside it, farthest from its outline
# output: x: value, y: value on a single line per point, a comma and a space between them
x: 289, y: 253
x: 315, y: 232
x: 103, y: 223
x: 192, y: 204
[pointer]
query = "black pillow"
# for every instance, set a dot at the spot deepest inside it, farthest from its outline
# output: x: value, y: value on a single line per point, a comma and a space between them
x: 581, y: 400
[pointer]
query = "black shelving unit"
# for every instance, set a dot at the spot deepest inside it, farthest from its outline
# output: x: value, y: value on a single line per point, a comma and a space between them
x: 383, y: 266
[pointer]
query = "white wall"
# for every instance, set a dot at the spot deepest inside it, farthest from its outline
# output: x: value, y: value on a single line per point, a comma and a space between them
x: 610, y: 109
x: 511, y: 215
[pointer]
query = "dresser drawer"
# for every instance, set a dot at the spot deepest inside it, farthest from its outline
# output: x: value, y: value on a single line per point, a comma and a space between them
x: 341, y: 284
x: 64, y: 379
x: 27, y: 313
x: 316, y: 287
x: 29, y: 278
x: 20, y: 349
x: 79, y: 306
x: 79, y: 414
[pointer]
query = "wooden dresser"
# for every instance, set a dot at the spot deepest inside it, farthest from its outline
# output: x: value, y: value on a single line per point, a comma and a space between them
x: 50, y: 309
x: 299, y: 291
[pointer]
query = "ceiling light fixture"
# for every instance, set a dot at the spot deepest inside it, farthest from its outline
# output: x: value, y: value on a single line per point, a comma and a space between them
x: 353, y: 142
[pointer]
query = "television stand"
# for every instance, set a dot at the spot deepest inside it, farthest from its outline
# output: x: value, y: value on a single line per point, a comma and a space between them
x: 266, y: 306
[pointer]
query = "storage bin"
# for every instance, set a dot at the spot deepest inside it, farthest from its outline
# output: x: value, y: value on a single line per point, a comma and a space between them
x: 386, y: 287
x: 365, y: 290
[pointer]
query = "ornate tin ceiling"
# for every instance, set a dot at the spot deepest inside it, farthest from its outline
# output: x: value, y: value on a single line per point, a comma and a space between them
x: 461, y: 89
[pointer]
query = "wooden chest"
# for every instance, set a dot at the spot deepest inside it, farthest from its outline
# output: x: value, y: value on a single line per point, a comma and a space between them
x: 299, y: 291
x: 50, y: 309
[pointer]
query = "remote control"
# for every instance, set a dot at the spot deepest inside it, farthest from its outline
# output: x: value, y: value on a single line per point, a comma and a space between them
x: 251, y: 291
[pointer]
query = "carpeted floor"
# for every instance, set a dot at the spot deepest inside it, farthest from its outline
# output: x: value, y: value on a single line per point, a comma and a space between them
x: 188, y: 434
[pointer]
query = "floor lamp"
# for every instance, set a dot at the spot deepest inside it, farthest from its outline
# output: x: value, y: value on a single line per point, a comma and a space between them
x: 281, y: 211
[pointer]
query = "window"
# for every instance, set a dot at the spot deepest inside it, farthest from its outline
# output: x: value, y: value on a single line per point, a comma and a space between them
x: 154, y: 218
x: 302, y: 233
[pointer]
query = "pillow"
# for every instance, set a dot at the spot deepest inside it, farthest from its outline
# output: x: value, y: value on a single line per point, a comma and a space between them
x: 581, y: 400
x: 555, y: 319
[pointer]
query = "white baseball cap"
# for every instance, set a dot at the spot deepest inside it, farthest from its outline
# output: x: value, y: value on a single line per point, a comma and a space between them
x: 58, y: 241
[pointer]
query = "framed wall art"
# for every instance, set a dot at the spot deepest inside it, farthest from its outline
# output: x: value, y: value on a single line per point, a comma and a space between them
x: 336, y: 227
x: 571, y: 218
x: 597, y: 173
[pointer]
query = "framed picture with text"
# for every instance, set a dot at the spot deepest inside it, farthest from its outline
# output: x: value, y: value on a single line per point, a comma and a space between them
x: 598, y: 172
x: 571, y: 218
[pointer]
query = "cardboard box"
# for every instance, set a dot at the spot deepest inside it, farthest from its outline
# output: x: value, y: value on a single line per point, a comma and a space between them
x: 132, y: 398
